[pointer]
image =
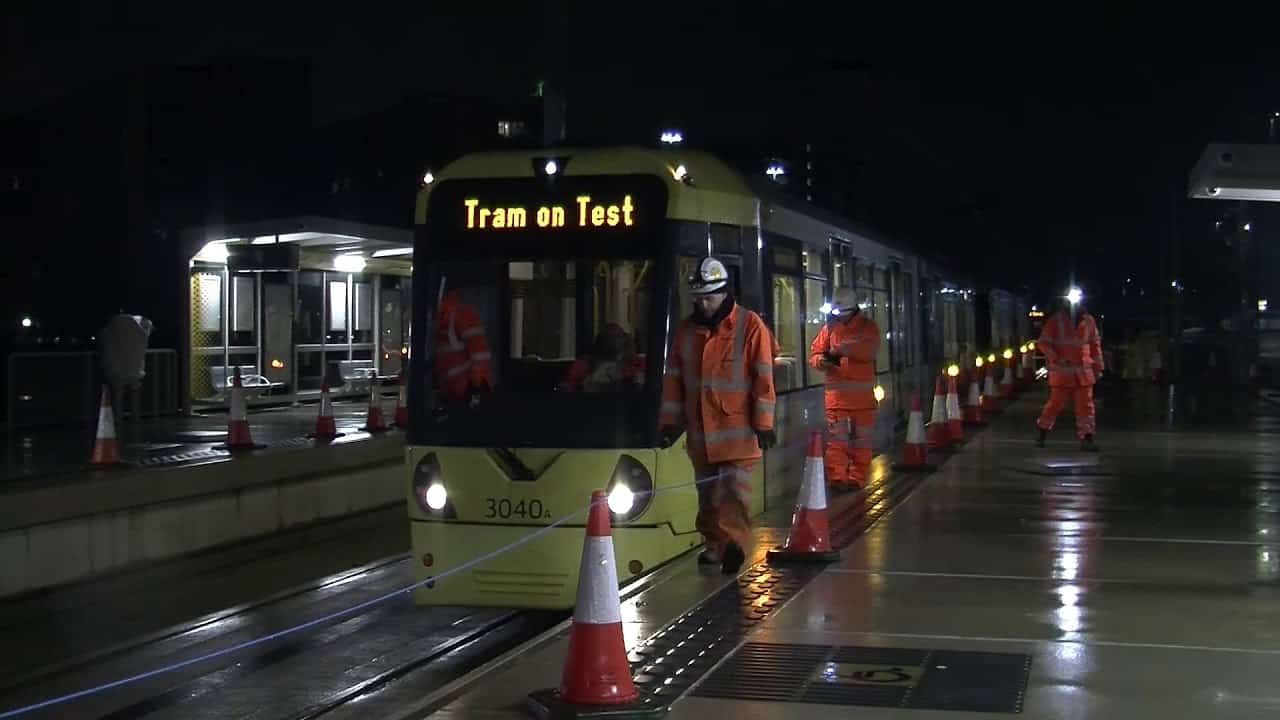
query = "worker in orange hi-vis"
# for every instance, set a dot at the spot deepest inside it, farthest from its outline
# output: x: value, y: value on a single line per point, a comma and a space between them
x: 718, y: 386
x: 845, y: 350
x: 463, y: 360
x: 1073, y: 350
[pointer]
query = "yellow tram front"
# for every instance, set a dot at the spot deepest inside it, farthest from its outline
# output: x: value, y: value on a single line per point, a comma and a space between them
x: 566, y: 265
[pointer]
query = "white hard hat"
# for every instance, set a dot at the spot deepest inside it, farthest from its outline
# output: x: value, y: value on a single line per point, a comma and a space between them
x: 710, y: 277
x: 847, y: 300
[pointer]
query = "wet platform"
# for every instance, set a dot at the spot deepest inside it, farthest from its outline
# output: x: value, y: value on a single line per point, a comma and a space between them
x: 182, y: 491
x: 39, y: 454
x: 1141, y: 582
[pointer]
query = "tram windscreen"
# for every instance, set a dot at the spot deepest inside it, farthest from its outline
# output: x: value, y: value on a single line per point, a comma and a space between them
x: 568, y: 348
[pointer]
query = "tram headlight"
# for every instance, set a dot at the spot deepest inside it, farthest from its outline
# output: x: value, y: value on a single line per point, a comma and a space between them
x: 436, y: 496
x: 630, y: 489
x: 429, y: 490
x: 621, y: 499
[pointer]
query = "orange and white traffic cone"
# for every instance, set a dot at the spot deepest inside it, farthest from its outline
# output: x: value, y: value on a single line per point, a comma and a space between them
x: 955, y: 419
x: 810, y: 536
x: 936, y: 431
x: 326, y: 428
x: 374, y: 423
x: 596, y: 676
x: 238, y: 435
x: 990, y: 400
x: 973, y: 409
x: 915, y: 452
x: 106, y: 451
x: 1006, y: 383
x: 402, y: 404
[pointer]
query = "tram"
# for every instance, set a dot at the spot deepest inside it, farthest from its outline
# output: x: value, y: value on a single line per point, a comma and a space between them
x: 556, y: 248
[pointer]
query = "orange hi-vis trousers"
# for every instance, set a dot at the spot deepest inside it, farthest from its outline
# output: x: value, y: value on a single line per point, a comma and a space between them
x: 724, y: 504
x: 1081, y: 397
x: 849, y: 446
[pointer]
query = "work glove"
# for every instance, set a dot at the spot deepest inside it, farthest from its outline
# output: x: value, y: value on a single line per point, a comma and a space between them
x: 766, y: 438
x: 831, y: 357
x: 669, y: 434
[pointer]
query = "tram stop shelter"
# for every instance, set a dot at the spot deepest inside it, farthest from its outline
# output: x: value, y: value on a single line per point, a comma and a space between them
x: 293, y: 302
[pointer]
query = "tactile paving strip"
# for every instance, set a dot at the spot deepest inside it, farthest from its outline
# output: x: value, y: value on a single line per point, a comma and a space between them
x: 678, y: 656
x: 872, y: 676
x: 212, y: 454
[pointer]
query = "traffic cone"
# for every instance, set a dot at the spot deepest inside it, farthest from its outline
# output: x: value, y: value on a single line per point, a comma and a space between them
x: 810, y: 537
x: 402, y: 403
x: 990, y: 399
x: 375, y: 422
x: 326, y: 429
x: 936, y: 431
x: 955, y: 420
x: 106, y: 452
x: 915, y: 451
x: 238, y: 436
x: 596, y: 677
x: 1006, y: 384
x: 973, y: 409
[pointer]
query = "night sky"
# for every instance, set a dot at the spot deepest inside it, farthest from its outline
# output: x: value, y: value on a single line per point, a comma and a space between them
x: 1021, y: 143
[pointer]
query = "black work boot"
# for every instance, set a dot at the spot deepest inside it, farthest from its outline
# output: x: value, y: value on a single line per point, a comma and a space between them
x: 733, y: 559
x: 708, y: 557
x: 1087, y: 443
x: 1041, y: 437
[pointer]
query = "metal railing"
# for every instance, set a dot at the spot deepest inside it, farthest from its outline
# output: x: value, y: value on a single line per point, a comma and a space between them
x: 60, y: 388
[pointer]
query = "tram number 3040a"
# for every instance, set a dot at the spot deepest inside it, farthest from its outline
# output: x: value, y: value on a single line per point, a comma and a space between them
x: 505, y: 509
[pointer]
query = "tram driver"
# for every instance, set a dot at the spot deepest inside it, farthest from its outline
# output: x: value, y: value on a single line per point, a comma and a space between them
x: 611, y: 365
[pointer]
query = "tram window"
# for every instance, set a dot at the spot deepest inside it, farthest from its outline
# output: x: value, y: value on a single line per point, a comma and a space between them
x: 785, y: 258
x: 841, y: 273
x: 950, y: 331
x: 726, y: 240
x: 906, y: 304
x: 862, y: 274
x: 814, y: 292
x: 880, y: 313
x: 811, y: 262
x: 841, y: 265
x: 786, y: 328
x: 568, y: 340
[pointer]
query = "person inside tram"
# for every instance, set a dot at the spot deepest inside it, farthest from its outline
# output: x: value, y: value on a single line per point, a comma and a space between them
x: 612, y: 364
x: 463, y: 360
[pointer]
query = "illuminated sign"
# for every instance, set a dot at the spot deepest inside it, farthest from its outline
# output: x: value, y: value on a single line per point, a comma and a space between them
x: 585, y: 211
x: 488, y: 217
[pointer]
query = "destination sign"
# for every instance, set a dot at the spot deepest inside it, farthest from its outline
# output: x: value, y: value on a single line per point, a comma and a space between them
x: 585, y: 211
x: 488, y: 217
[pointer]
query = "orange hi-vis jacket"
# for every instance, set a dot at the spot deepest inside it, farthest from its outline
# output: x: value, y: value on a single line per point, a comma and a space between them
x: 719, y: 382
x: 1072, y: 350
x: 462, y: 352
x: 851, y: 385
